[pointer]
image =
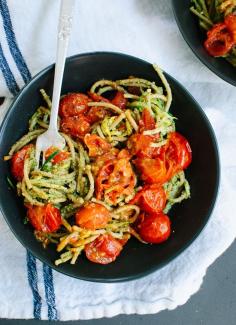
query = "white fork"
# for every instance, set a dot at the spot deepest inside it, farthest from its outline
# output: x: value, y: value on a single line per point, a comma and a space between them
x: 52, y: 137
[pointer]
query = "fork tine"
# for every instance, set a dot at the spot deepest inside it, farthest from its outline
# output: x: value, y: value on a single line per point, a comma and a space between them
x: 37, y: 156
x: 44, y: 156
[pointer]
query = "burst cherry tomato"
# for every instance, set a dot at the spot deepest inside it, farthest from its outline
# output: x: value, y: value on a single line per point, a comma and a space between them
x: 73, y: 104
x: 17, y: 162
x: 147, y: 121
x: 76, y: 126
x: 103, y: 178
x: 62, y: 155
x: 103, y: 250
x: 123, y: 154
x: 117, y: 175
x: 119, y: 100
x: 124, y: 240
x: 96, y: 114
x: 230, y: 22
x: 45, y: 218
x: 96, y: 145
x: 92, y: 216
x: 152, y: 170
x: 219, y: 40
x: 140, y: 145
x: 175, y: 156
x: 101, y: 160
x: 155, y: 228
x: 179, y: 151
x: 151, y: 198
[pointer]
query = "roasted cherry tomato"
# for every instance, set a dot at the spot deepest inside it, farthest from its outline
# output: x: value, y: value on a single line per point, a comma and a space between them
x: 73, y: 104
x: 125, y: 239
x: 62, y: 155
x: 45, y: 218
x: 175, y: 156
x: 178, y: 150
x: 152, y: 170
x: 103, y: 178
x: 117, y: 175
x: 103, y: 250
x: 76, y: 126
x: 152, y: 198
x: 154, y: 228
x: 119, y: 100
x: 96, y: 145
x: 219, y: 40
x: 230, y: 22
x: 92, y: 216
x: 101, y: 160
x: 96, y: 114
x: 147, y: 121
x: 123, y: 154
x: 17, y: 162
x: 140, y: 145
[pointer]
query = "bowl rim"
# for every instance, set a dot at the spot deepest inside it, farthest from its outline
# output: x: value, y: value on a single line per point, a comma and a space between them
x: 210, y: 208
x: 199, y: 56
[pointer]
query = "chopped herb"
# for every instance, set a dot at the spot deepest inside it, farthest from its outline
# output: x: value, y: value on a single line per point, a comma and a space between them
x: 10, y: 183
x: 45, y: 165
x: 26, y: 220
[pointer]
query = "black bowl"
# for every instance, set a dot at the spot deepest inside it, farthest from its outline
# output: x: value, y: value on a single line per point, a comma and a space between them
x: 194, y: 36
x: 188, y: 218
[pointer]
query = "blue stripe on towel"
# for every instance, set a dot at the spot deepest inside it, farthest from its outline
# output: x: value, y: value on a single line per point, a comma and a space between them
x: 26, y: 75
x: 49, y: 292
x: 7, y: 74
x: 31, y: 261
x: 11, y: 40
x: 33, y: 280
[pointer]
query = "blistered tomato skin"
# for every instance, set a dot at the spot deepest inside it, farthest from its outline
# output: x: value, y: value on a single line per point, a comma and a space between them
x: 76, y: 126
x: 152, y: 198
x: 92, y: 216
x: 45, y: 218
x: 155, y: 228
x: 73, y: 104
x: 17, y: 162
x: 179, y: 150
x: 119, y: 100
x: 96, y: 145
x: 103, y: 250
x: 221, y: 37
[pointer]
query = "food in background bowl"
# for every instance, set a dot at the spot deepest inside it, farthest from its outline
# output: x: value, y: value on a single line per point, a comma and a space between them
x: 218, y: 20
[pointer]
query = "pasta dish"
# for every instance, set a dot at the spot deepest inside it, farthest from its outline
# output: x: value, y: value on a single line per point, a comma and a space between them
x: 119, y: 175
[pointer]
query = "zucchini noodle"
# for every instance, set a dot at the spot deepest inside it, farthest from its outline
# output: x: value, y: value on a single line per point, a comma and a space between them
x: 70, y: 184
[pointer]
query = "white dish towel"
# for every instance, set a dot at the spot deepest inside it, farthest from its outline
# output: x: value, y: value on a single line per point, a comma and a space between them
x: 145, y: 29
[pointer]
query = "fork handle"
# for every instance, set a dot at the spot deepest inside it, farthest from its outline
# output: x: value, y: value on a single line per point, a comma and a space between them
x: 64, y: 30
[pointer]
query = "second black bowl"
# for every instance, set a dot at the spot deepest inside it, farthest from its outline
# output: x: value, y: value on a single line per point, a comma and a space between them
x: 188, y: 218
x: 194, y: 36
